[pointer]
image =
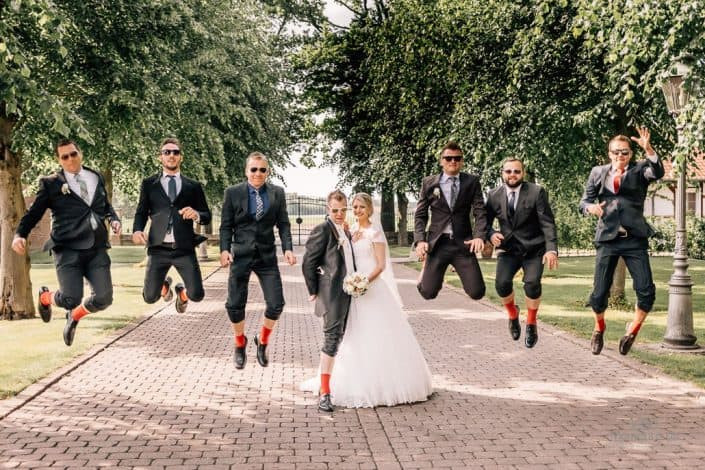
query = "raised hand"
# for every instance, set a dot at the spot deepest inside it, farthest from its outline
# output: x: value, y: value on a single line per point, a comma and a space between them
x: 644, y: 139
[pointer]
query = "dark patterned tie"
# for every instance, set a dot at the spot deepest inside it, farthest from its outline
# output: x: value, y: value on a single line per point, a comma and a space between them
x: 510, y: 204
x: 171, y: 185
x: 259, y: 205
x: 453, y: 190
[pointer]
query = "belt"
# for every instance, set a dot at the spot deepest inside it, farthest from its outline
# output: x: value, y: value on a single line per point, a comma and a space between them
x: 622, y: 233
x: 170, y: 245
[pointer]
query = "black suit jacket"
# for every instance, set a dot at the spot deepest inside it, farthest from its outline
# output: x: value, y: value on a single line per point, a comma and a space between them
x: 241, y: 234
x: 70, y: 215
x: 431, y: 199
x: 532, y: 230
x: 155, y: 203
x: 625, y: 208
x: 324, y: 270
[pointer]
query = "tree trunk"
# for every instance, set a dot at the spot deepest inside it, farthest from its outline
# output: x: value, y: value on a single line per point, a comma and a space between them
x: 387, y: 210
x: 108, y: 176
x: 16, y: 300
x: 617, y: 296
x: 403, y: 205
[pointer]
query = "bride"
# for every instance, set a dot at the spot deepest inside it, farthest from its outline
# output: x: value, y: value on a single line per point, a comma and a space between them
x: 379, y: 361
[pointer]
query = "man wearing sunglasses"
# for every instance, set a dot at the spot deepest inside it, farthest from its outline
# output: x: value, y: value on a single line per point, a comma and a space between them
x: 615, y: 193
x: 526, y: 239
x: 173, y: 202
x: 79, y: 238
x: 250, y: 212
x: 451, y: 198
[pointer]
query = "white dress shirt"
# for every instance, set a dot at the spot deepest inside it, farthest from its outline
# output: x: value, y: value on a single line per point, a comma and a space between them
x: 164, y: 180
x: 90, y: 178
x: 347, y: 249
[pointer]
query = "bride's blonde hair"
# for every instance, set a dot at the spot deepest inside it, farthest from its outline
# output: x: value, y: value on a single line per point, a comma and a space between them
x: 366, y: 199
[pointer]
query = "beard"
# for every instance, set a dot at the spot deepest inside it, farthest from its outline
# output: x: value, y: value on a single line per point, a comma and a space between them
x: 514, y: 184
x: 173, y: 167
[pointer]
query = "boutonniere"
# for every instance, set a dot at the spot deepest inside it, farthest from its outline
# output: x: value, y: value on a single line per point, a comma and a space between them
x: 65, y: 188
x: 341, y: 241
x: 437, y: 192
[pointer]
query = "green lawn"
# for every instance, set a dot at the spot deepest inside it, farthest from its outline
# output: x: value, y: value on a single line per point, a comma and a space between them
x: 566, y: 290
x: 32, y: 349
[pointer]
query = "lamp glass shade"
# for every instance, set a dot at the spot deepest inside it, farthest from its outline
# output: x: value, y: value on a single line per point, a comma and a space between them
x: 673, y: 87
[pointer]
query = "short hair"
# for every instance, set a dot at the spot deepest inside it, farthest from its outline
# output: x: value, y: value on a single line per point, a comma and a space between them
x: 367, y: 199
x: 451, y: 145
x: 513, y: 159
x: 622, y: 138
x: 256, y: 156
x: 65, y: 142
x: 337, y: 195
x: 171, y: 140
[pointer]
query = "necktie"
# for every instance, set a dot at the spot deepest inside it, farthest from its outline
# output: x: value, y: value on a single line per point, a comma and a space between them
x: 453, y: 190
x: 84, y: 195
x: 259, y: 205
x: 618, y: 179
x: 510, y: 203
x: 172, y: 187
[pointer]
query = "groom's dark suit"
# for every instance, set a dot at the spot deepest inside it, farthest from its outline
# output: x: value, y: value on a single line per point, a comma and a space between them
x: 154, y: 203
x: 79, y: 250
x: 445, y: 249
x: 324, y: 269
x: 251, y: 243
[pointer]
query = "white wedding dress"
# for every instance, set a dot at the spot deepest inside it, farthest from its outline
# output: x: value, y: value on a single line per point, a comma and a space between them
x: 379, y: 361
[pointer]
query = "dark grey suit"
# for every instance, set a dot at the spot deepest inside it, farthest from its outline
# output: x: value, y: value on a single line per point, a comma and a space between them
x: 79, y: 251
x: 324, y: 269
x: 528, y: 235
x: 624, y: 210
x: 251, y: 243
x: 443, y: 250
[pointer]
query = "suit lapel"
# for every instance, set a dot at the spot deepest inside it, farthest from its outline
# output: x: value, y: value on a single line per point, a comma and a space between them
x: 271, y: 196
x: 502, y: 193
x: 185, y: 186
x: 436, y: 183
x: 159, y: 188
x: 245, y: 198
x: 603, y: 177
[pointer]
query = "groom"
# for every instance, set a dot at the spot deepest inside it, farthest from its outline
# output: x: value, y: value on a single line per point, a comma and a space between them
x: 328, y: 259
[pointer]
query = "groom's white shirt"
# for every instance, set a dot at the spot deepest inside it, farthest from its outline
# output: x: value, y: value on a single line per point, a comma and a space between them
x: 347, y: 249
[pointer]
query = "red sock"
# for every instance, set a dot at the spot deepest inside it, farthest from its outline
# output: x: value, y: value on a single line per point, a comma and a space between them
x: 601, y: 324
x: 325, y: 384
x: 512, y: 310
x: 165, y: 291
x: 45, y: 298
x: 531, y: 316
x: 634, y: 328
x: 184, y: 297
x: 79, y: 312
x: 239, y: 341
x: 264, y: 335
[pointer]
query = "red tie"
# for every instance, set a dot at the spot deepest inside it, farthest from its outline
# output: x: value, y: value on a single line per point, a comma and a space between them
x: 617, y: 179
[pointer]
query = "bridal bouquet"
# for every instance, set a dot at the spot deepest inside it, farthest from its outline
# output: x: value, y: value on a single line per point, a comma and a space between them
x: 355, y: 284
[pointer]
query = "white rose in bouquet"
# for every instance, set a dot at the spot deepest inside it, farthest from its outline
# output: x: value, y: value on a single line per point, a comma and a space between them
x: 355, y: 284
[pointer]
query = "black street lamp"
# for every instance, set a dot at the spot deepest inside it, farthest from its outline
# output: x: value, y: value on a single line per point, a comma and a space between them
x: 679, y: 324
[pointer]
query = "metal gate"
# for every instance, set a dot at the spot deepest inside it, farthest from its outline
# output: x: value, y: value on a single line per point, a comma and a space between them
x: 304, y: 214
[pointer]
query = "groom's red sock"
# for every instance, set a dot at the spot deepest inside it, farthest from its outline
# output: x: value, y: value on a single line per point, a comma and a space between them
x: 512, y: 310
x: 264, y: 335
x: 325, y: 384
x: 531, y: 316
x: 46, y: 297
x: 239, y: 341
x: 79, y: 312
x: 634, y: 328
x: 601, y: 324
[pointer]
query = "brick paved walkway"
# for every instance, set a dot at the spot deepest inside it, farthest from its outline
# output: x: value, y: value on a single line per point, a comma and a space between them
x: 167, y: 395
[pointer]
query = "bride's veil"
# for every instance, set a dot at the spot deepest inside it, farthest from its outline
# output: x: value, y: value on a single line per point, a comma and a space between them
x: 387, y: 275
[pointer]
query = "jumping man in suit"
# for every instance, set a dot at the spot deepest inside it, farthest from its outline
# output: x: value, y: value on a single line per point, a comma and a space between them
x: 250, y: 212
x: 79, y: 239
x: 174, y: 203
x: 615, y: 193
x: 451, y: 238
x: 526, y: 239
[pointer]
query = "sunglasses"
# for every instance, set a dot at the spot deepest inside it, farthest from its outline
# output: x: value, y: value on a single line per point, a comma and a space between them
x: 335, y: 211
x: 453, y: 158
x: 72, y: 154
x: 168, y: 152
x: 509, y: 171
x: 624, y: 152
x: 254, y: 169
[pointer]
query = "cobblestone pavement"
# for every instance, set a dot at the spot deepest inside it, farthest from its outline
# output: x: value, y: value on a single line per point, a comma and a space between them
x: 166, y: 394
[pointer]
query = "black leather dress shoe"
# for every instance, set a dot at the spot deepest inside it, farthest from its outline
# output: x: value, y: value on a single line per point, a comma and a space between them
x: 70, y: 330
x: 531, y: 337
x: 625, y: 344
x: 597, y: 342
x: 180, y: 304
x: 261, y: 353
x: 515, y: 328
x: 324, y: 403
x: 241, y: 356
x: 169, y: 293
x: 44, y: 310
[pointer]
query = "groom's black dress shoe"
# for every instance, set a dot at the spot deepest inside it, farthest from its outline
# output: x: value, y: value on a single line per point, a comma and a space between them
x: 261, y: 353
x: 625, y: 344
x: 241, y: 356
x: 324, y: 403
x: 531, y: 337
x: 70, y: 330
x: 515, y: 328
x: 597, y: 342
x: 44, y: 310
